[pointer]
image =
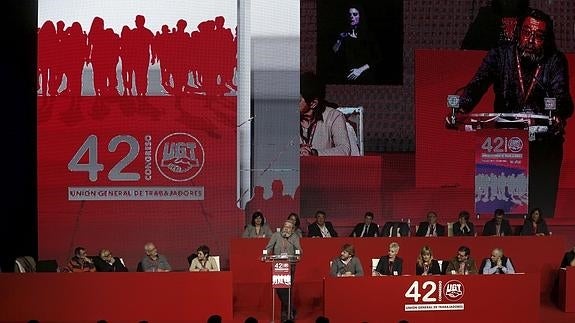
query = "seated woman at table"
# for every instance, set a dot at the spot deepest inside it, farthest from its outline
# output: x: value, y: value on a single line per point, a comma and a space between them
x: 425, y: 264
x: 347, y: 264
x: 535, y: 224
x: 203, y: 262
x: 568, y: 259
x: 294, y: 218
x: 258, y: 228
x: 390, y: 264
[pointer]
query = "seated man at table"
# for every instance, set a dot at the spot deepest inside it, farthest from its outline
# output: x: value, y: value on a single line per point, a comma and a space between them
x: 430, y: 228
x: 367, y: 228
x: 347, y: 264
x: 498, y: 226
x: 153, y: 261
x: 203, y: 261
x: 462, y: 264
x: 105, y: 262
x: 321, y: 228
x: 390, y: 264
x: 463, y: 227
x: 80, y: 262
x: 568, y: 259
x: 498, y: 263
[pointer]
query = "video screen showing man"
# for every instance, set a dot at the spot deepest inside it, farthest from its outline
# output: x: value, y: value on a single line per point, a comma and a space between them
x: 524, y: 75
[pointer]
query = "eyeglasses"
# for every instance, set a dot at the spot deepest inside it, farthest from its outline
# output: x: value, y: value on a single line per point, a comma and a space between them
x: 537, y: 34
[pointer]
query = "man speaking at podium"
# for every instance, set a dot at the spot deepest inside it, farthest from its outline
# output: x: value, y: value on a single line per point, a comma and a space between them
x: 285, y: 243
x: 524, y: 74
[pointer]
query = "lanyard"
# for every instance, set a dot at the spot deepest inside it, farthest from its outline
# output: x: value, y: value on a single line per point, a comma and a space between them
x: 525, y: 95
x: 308, y: 138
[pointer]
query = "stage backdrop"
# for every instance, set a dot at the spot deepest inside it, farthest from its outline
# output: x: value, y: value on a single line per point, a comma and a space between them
x: 136, y: 128
x: 445, y: 158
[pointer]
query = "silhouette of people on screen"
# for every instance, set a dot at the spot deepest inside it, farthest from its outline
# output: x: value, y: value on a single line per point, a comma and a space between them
x: 141, y: 40
x: 200, y: 63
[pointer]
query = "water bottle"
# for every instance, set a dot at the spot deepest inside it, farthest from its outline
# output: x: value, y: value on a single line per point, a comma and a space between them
x: 478, y: 215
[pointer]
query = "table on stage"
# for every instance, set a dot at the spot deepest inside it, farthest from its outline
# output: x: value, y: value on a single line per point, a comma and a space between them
x: 116, y: 297
x: 539, y: 256
x: 449, y: 298
x: 566, y: 295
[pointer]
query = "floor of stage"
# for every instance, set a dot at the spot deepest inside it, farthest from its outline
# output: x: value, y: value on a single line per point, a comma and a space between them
x: 549, y: 314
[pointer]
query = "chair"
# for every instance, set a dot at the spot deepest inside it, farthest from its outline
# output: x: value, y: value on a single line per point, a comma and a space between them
x: 217, y: 260
x: 443, y: 266
x: 480, y: 269
x: 140, y: 268
x: 374, y: 263
x: 450, y: 229
x: 25, y: 264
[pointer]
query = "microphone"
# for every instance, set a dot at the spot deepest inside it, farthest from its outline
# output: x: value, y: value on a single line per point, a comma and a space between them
x: 453, y: 104
x: 550, y: 103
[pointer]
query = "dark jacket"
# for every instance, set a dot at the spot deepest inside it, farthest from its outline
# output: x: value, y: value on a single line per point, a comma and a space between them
x: 372, y: 231
x: 465, y: 232
x: 423, y: 226
x: 314, y: 231
x: 527, y: 229
x: 434, y: 268
x: 391, y: 228
x: 103, y: 266
x: 383, y: 266
x: 499, y: 68
x: 490, y: 228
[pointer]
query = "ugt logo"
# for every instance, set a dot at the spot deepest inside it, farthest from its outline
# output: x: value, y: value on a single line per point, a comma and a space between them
x: 453, y: 290
x: 180, y: 157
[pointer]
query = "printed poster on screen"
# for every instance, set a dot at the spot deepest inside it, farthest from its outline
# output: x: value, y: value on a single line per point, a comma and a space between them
x: 136, y: 126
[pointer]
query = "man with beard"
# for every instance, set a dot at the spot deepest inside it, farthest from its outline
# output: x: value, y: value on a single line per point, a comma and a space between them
x: 495, y: 24
x: 523, y: 73
x: 285, y: 243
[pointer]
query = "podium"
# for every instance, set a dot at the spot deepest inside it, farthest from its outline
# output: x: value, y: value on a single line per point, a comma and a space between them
x: 283, y: 268
x: 502, y: 148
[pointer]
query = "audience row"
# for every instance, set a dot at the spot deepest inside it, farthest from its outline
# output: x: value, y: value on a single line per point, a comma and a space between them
x: 534, y: 224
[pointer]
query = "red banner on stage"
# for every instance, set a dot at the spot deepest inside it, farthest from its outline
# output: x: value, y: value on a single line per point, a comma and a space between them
x: 501, y: 171
x: 281, y: 274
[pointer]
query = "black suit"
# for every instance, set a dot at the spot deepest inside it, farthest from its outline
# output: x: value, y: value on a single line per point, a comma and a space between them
x: 457, y: 231
x: 567, y: 259
x: 313, y: 230
x: 372, y: 230
x: 393, y: 227
x: 434, y: 268
x: 383, y: 266
x: 490, y: 228
x: 423, y: 226
x: 103, y: 266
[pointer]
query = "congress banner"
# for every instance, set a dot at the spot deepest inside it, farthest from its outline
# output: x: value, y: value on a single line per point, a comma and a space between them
x: 501, y: 171
x: 136, y: 128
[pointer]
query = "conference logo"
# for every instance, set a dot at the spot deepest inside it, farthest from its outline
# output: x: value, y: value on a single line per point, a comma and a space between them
x: 180, y: 157
x: 453, y: 290
x: 515, y: 144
